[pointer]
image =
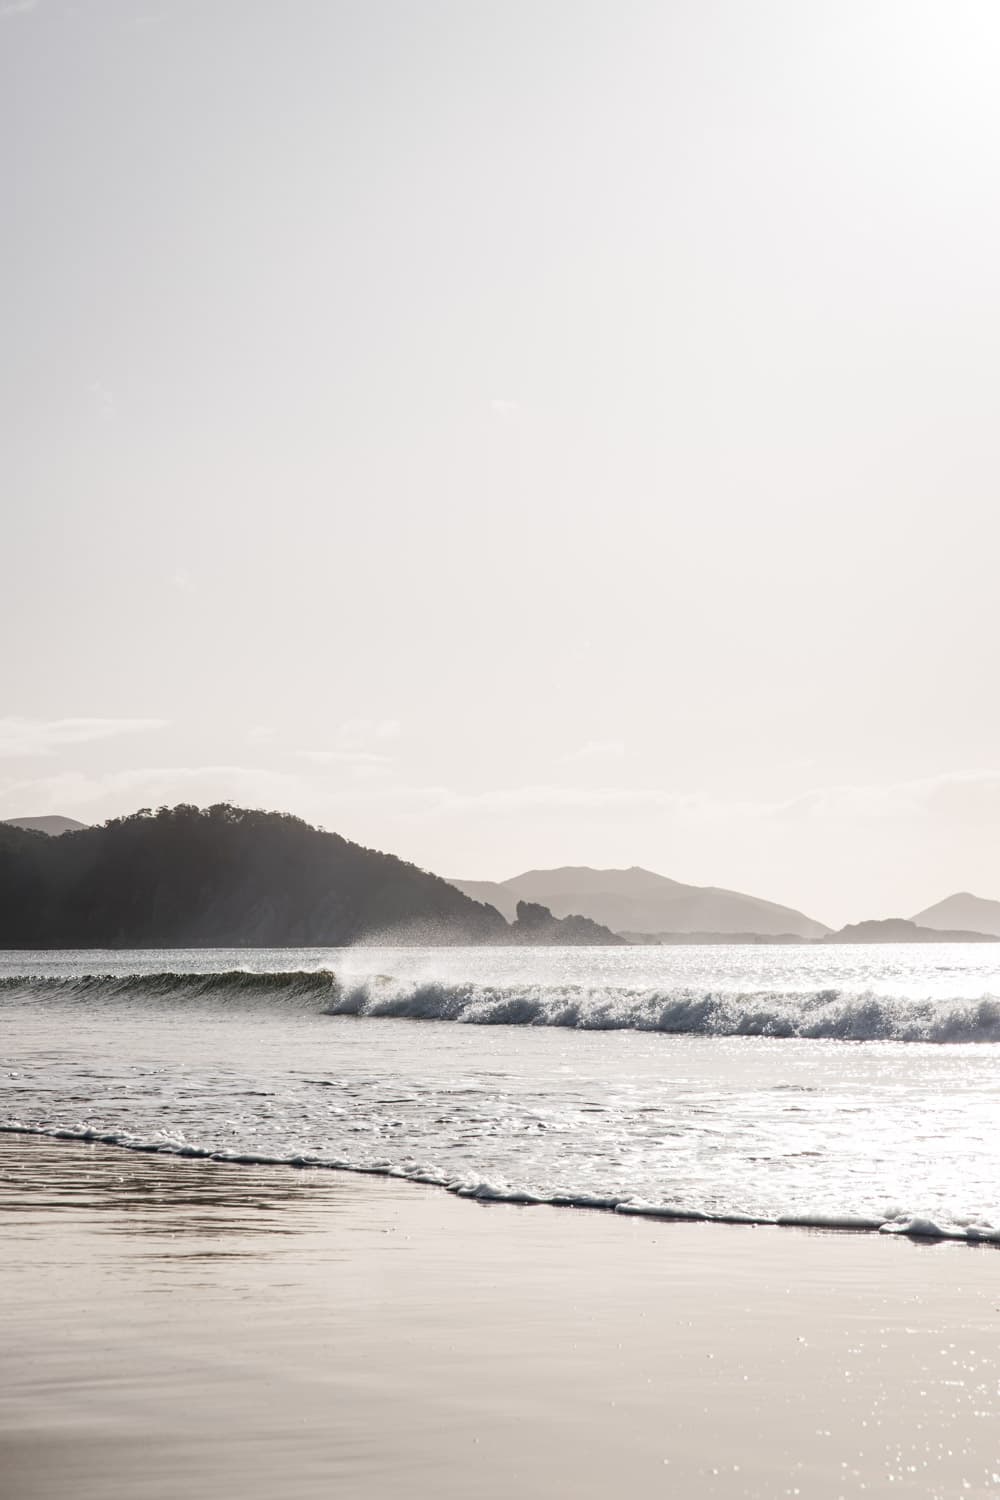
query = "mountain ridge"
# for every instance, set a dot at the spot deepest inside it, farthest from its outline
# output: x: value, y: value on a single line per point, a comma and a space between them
x: 220, y: 877
x: 902, y: 930
x: 641, y: 901
x: 962, y: 910
x: 54, y: 824
x: 228, y: 876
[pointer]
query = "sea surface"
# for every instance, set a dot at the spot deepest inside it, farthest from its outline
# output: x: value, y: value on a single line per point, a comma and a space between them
x: 845, y: 1087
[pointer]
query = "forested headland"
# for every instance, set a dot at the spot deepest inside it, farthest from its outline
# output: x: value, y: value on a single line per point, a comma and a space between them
x: 228, y: 876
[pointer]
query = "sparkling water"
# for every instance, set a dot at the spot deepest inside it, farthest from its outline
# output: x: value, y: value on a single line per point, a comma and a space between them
x: 843, y: 1086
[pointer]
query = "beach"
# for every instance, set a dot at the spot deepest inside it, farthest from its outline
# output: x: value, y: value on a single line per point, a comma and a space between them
x: 499, y: 786
x: 203, y: 1328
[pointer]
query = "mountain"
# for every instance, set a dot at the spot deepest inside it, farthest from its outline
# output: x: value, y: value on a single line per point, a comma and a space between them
x: 971, y: 913
x: 226, y: 876
x: 639, y: 901
x: 492, y: 893
x: 50, y: 823
x: 899, y: 930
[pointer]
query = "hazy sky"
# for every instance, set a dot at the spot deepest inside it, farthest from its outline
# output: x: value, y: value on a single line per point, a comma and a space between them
x: 512, y: 433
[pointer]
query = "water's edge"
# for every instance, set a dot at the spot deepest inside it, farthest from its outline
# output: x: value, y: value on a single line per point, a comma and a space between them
x: 485, y: 1192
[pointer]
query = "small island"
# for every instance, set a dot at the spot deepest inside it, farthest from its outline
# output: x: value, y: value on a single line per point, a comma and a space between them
x: 900, y: 930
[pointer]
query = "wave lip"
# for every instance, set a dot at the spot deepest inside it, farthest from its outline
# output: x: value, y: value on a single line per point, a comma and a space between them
x: 831, y: 1015
x: 168, y: 984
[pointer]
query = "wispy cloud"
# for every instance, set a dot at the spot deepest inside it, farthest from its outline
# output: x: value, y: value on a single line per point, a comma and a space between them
x: 954, y: 792
x: 16, y: 8
x: 117, y: 792
x: 548, y: 795
x: 353, y: 745
x: 362, y: 765
x: 25, y: 737
x: 596, y: 751
x: 344, y: 757
x: 972, y: 796
x: 359, y: 732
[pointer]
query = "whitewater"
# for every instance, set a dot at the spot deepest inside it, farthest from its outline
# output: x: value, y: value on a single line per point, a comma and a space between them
x: 852, y: 1088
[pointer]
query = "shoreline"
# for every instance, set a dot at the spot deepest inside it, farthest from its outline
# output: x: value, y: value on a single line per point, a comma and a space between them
x: 175, y: 1327
x: 923, y: 1230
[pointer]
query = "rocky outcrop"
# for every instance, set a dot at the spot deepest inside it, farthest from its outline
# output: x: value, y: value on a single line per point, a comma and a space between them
x: 535, y: 924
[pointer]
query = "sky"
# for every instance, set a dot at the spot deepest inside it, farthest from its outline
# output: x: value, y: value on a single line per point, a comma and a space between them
x: 511, y: 433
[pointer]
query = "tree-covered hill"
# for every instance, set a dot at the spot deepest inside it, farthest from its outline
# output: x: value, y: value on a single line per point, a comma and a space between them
x: 219, y: 877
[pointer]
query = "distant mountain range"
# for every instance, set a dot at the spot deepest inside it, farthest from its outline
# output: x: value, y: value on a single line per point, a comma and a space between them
x: 638, y: 901
x: 584, y: 905
x: 899, y: 930
x: 230, y: 877
x: 969, y: 913
x: 52, y: 824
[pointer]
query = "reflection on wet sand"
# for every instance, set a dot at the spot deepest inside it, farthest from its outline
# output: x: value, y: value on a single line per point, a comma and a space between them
x: 136, y: 1194
x: 180, y: 1328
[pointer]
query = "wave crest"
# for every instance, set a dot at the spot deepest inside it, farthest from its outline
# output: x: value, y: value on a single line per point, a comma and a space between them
x: 826, y: 1014
x: 821, y: 1015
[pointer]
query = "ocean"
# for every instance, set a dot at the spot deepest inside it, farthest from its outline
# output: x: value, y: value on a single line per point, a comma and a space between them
x: 837, y: 1087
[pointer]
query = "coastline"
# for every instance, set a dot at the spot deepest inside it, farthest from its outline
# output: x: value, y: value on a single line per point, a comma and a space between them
x: 198, y: 1327
x: 483, y: 1192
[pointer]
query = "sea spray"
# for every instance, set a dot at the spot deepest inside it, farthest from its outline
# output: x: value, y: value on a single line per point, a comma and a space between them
x: 730, y: 1086
x: 821, y: 1015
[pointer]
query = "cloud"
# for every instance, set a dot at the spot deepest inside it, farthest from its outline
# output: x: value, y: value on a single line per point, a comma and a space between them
x: 16, y: 8
x: 963, y: 796
x: 502, y: 407
x: 118, y: 792
x: 363, y: 765
x: 597, y: 750
x: 972, y: 793
x: 358, y: 732
x: 344, y: 757
x: 24, y: 737
x: 351, y: 747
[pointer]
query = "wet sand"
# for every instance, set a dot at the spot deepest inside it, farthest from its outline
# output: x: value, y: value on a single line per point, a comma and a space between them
x: 185, y: 1328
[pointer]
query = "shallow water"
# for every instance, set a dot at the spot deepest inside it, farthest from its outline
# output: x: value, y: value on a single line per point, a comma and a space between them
x: 187, y: 1328
x: 682, y: 1081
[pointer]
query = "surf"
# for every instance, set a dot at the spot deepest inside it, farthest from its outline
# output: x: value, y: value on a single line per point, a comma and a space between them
x: 826, y: 1014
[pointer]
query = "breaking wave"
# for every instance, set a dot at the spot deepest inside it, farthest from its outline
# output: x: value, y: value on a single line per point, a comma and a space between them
x: 826, y: 1014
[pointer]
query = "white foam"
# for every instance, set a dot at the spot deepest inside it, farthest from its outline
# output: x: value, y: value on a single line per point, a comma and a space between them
x: 491, y: 1191
x: 817, y: 1015
x: 627, y: 1086
x: 834, y: 1014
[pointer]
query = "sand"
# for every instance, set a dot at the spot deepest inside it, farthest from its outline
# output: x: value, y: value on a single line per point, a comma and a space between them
x: 176, y: 1328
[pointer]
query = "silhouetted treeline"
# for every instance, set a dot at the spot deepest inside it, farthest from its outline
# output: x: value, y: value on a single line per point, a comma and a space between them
x: 220, y: 877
